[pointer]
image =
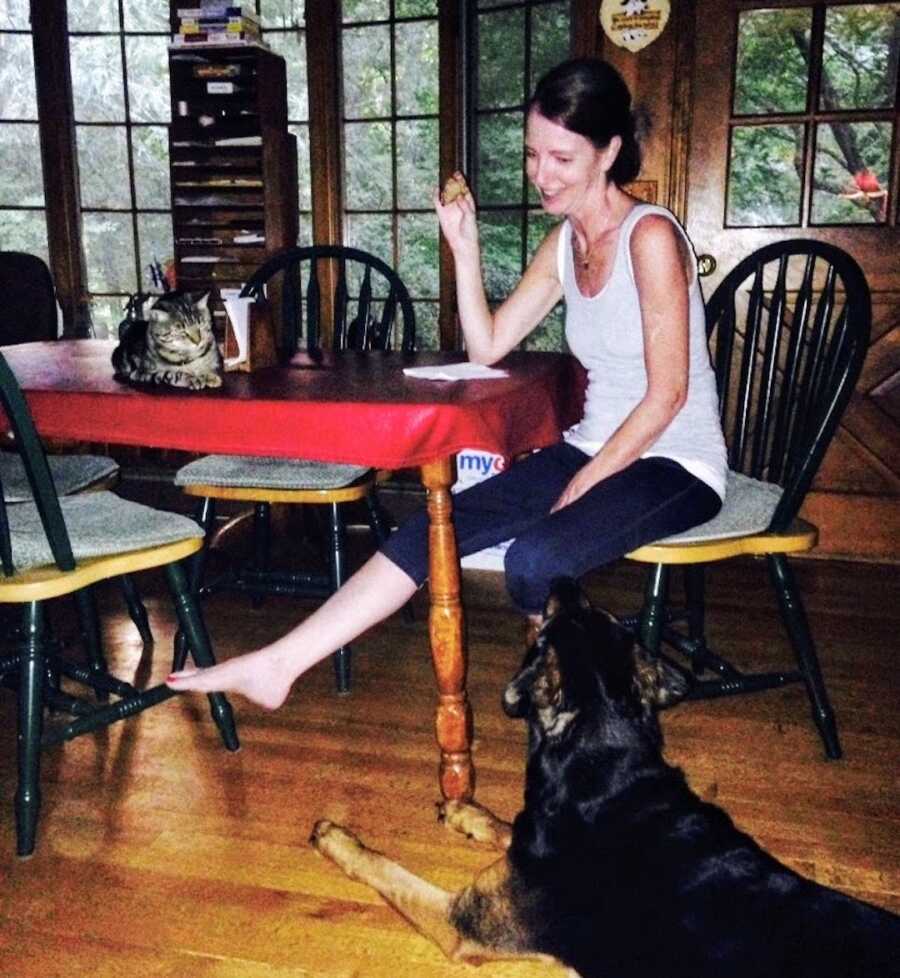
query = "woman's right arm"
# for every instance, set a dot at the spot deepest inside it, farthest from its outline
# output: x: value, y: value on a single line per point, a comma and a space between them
x: 490, y: 336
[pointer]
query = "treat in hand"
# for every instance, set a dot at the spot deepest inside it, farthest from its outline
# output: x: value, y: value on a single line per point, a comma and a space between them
x: 455, y: 187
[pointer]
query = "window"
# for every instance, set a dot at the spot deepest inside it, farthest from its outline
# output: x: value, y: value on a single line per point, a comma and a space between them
x: 514, y: 44
x: 22, y: 218
x: 282, y: 24
x: 814, y: 115
x: 390, y: 143
x: 120, y: 88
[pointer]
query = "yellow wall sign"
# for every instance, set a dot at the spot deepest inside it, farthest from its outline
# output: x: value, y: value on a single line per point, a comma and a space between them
x: 633, y: 24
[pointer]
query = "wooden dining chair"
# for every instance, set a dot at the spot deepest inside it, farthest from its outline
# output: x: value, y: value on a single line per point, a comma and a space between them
x: 369, y: 309
x: 789, y: 327
x: 52, y: 546
x: 27, y: 313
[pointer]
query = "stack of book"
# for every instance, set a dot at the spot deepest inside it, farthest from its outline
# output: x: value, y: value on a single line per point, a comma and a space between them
x: 217, y: 22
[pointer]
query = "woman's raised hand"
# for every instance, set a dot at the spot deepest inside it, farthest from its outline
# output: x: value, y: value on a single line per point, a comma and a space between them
x: 455, y: 207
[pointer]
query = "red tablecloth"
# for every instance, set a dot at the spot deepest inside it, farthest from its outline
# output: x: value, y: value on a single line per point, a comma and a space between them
x: 348, y: 408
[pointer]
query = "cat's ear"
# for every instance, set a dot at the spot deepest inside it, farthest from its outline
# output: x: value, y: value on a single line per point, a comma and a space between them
x: 203, y: 301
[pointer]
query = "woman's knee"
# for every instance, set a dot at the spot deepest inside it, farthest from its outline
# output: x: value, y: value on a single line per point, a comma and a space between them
x: 530, y: 566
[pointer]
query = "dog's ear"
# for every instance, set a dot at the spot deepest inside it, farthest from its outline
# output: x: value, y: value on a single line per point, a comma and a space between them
x: 658, y: 683
x: 565, y: 595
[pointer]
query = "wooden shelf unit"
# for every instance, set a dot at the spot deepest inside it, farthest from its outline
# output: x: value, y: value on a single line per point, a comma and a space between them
x: 233, y: 165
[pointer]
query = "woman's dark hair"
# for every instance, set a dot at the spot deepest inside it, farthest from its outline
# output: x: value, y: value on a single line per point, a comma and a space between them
x: 589, y: 97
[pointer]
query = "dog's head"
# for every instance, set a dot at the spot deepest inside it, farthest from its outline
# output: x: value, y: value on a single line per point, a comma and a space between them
x: 584, y: 663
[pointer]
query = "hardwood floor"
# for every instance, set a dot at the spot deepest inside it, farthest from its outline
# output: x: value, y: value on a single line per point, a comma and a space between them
x: 161, y: 855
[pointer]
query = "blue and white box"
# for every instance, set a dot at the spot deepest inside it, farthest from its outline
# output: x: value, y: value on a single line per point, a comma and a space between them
x: 472, y: 466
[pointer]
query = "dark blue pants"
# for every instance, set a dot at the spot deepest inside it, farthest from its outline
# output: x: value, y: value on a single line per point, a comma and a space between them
x: 652, y: 498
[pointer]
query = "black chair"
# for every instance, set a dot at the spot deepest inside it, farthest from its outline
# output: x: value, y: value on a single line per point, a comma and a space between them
x: 54, y: 546
x: 790, y: 328
x: 363, y: 307
x: 28, y: 313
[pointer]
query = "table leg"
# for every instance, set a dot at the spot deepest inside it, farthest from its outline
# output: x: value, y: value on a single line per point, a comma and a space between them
x: 454, y: 716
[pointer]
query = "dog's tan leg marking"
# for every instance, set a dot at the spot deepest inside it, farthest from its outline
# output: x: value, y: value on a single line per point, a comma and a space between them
x: 476, y: 822
x: 425, y: 906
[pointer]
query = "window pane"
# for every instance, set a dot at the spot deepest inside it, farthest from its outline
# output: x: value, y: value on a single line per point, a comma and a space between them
x: 417, y: 260
x: 850, y: 177
x: 428, y: 333
x: 304, y: 189
x: 24, y: 231
x: 550, y: 335
x: 549, y: 39
x: 501, y: 237
x: 93, y: 15
x: 501, y: 59
x: 109, y: 249
x: 417, y: 68
x: 20, y: 170
x: 292, y: 47
x: 106, y: 314
x: 859, y: 64
x: 417, y: 162
x: 150, y: 150
x: 282, y: 13
x: 367, y: 72
x: 103, y: 166
x: 772, y: 68
x: 500, y: 158
x: 367, y: 164
x: 97, y: 79
x: 763, y: 184
x: 148, y: 79
x: 147, y: 15
x: 371, y: 232
x: 15, y: 15
x: 17, y: 94
x: 416, y: 8
x: 365, y: 9
x: 155, y: 243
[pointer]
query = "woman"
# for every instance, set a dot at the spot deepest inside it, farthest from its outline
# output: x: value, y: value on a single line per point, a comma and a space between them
x: 646, y: 460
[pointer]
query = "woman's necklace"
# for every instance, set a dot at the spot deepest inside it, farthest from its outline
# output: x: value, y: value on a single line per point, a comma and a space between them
x: 584, y: 258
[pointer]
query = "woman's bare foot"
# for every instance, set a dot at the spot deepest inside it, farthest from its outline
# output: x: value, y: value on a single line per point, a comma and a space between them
x: 259, y: 676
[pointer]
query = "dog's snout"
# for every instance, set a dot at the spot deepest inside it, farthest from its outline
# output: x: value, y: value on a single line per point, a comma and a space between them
x: 513, y: 701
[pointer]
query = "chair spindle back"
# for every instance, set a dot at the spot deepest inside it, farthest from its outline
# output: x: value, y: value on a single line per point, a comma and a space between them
x: 790, y: 327
x: 363, y: 306
x: 29, y: 446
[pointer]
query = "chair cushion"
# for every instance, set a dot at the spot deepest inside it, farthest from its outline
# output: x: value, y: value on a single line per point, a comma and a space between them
x: 71, y: 473
x: 748, y: 508
x: 100, y: 524
x: 247, y: 471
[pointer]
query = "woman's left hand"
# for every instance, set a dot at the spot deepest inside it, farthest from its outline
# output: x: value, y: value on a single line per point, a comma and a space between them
x: 583, y: 481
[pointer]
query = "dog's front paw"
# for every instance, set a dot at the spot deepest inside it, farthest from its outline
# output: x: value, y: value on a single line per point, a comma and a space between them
x: 336, y: 843
x: 474, y: 822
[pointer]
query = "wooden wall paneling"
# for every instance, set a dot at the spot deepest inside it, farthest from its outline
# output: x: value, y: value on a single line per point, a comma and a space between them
x: 57, y: 136
x: 586, y: 32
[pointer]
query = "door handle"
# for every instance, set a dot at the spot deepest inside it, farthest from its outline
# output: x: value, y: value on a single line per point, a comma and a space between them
x: 706, y: 265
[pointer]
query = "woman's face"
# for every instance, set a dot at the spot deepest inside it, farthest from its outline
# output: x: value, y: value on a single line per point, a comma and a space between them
x: 567, y: 170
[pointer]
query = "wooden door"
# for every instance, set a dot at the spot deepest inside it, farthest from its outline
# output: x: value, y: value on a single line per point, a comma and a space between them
x: 794, y: 133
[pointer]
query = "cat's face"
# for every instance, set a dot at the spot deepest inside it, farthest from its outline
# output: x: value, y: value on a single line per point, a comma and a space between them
x: 180, y: 325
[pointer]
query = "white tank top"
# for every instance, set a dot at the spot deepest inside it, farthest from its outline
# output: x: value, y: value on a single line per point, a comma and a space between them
x: 604, y: 332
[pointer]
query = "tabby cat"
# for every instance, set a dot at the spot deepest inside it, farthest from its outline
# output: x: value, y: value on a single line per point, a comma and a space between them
x: 174, y: 345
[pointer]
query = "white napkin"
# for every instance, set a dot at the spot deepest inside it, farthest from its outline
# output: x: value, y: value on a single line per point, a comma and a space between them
x: 455, y: 371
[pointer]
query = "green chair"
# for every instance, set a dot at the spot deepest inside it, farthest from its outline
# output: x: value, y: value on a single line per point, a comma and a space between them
x: 53, y: 546
x: 367, y: 295
x: 789, y: 327
x: 29, y: 313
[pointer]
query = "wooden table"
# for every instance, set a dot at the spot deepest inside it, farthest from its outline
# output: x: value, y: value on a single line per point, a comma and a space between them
x: 348, y: 407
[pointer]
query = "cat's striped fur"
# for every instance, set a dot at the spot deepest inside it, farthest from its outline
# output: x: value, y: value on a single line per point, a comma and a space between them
x: 175, y: 345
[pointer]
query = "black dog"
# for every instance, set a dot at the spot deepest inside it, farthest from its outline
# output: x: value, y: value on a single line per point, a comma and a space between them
x: 614, y: 866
